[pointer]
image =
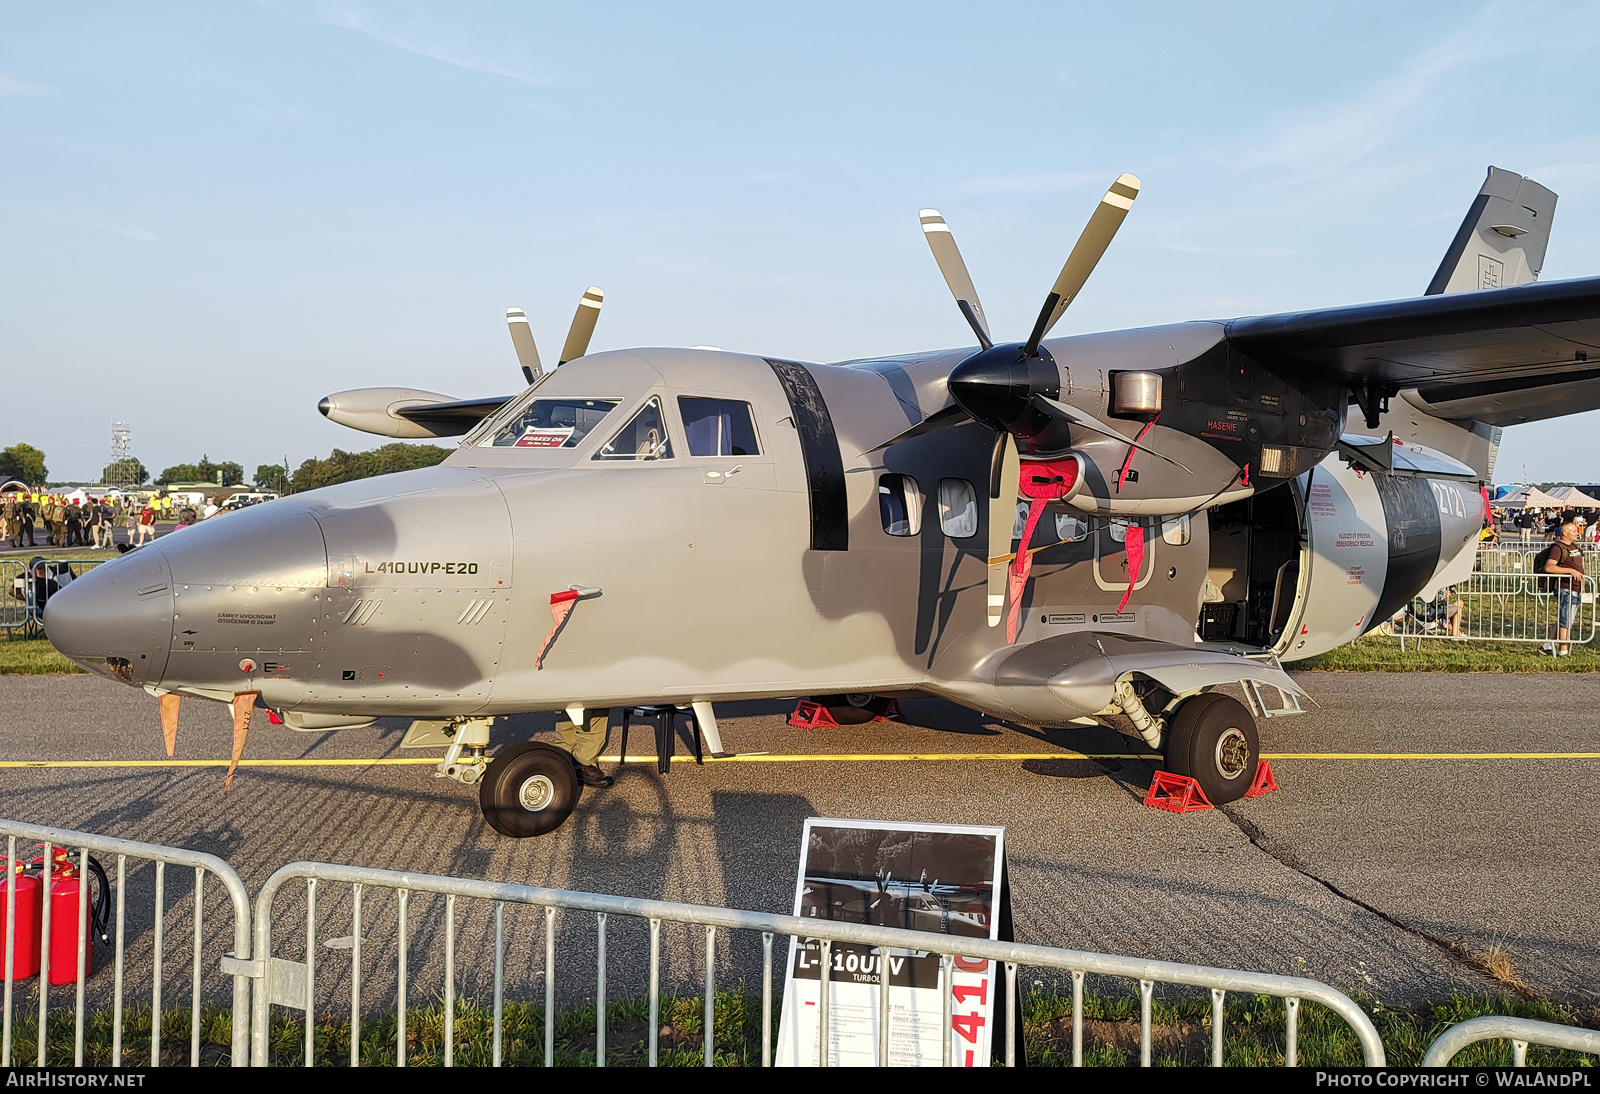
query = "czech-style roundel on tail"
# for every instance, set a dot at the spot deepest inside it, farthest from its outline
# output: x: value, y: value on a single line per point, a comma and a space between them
x: 1047, y: 530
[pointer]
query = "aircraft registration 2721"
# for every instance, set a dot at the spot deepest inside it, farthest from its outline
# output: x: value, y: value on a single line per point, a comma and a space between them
x: 1052, y: 530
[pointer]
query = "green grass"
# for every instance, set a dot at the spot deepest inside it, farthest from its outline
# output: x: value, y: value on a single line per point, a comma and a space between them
x: 1376, y: 653
x: 30, y: 657
x: 1181, y: 1034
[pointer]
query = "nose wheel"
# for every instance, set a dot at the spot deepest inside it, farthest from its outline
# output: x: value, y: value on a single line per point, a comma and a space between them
x: 528, y: 790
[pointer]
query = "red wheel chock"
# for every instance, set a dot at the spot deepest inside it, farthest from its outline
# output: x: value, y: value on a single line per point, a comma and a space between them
x: 1263, y: 783
x: 809, y: 715
x: 1176, y: 794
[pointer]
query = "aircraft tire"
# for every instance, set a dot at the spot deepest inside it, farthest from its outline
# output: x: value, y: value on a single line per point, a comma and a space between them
x: 528, y: 790
x: 1213, y: 740
x: 854, y: 710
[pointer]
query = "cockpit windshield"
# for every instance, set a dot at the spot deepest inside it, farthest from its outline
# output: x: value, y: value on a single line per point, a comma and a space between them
x: 550, y: 423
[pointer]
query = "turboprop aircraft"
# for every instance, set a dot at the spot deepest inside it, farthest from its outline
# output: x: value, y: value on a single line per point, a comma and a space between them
x: 1049, y: 530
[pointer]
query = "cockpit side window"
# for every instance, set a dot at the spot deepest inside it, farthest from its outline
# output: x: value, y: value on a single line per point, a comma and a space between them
x: 552, y: 423
x: 718, y: 427
x: 643, y: 438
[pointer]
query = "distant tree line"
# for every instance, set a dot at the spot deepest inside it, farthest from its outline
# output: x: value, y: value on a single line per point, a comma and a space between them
x: 344, y: 466
x: 204, y: 471
x: 24, y: 463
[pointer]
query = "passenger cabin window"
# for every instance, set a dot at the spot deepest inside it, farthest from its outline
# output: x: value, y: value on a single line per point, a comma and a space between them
x: 899, y: 505
x: 1175, y: 530
x: 553, y: 423
x: 1071, y: 527
x: 958, y: 508
x: 643, y: 438
x: 718, y: 427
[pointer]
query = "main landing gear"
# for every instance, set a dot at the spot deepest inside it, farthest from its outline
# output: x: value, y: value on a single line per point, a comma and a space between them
x: 853, y: 710
x: 1212, y: 739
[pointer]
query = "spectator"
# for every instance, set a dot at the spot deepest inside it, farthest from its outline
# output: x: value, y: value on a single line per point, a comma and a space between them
x: 1562, y: 560
x: 147, y: 524
x: 1524, y: 523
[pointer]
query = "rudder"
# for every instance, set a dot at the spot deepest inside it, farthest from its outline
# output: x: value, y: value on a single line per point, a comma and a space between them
x: 1503, y: 238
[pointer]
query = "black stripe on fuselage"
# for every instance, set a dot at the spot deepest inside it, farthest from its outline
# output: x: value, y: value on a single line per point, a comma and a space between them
x: 1412, y: 516
x: 819, y: 449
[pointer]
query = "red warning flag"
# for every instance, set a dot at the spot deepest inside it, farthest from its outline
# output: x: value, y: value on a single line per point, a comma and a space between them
x: 1134, y: 543
x: 560, y: 607
x: 1041, y: 481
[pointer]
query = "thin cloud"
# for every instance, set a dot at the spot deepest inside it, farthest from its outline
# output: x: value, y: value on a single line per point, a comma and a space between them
x: 140, y: 234
x: 424, y: 42
x: 1322, y: 144
x: 13, y: 88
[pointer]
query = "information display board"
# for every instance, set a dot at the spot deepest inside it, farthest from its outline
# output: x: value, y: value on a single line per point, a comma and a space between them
x: 941, y: 878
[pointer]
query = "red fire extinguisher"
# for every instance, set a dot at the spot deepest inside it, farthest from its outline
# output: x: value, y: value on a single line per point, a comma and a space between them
x: 65, y: 922
x: 26, y: 939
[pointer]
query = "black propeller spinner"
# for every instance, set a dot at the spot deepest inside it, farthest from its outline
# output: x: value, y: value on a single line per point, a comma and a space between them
x: 996, y: 386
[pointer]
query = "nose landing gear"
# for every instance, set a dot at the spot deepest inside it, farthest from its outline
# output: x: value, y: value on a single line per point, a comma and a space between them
x: 528, y: 790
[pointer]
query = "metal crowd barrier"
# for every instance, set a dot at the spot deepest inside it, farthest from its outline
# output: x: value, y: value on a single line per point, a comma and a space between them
x: 1520, y: 1031
x: 19, y: 596
x: 1500, y: 606
x: 293, y: 984
x: 53, y: 839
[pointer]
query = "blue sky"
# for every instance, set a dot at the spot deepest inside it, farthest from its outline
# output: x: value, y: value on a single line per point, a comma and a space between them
x: 213, y: 214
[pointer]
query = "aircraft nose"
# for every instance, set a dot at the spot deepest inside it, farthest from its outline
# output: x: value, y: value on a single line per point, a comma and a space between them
x: 116, y: 619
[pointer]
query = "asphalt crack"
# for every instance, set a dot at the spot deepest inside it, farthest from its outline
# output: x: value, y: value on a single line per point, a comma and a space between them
x: 1484, y: 965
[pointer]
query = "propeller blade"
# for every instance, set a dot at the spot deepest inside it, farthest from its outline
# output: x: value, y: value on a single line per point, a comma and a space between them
x: 943, y: 245
x: 1090, y: 422
x: 582, y: 328
x: 950, y: 415
x: 1097, y: 235
x: 1005, y: 477
x: 522, y: 339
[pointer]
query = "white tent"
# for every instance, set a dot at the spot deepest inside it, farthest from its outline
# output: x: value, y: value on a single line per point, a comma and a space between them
x: 1530, y: 497
x: 1574, y: 498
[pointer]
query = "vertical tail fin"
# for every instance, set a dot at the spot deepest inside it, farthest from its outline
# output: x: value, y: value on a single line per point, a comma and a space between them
x: 1503, y: 239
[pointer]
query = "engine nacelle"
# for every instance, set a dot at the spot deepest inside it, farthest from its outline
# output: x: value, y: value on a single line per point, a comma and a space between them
x: 376, y: 410
x: 1369, y: 543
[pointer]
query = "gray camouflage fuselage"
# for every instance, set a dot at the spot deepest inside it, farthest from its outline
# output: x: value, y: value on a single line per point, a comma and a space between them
x: 426, y: 593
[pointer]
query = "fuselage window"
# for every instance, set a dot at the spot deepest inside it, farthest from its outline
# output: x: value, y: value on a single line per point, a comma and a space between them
x: 643, y: 438
x: 958, y: 508
x: 1175, y: 530
x: 718, y: 427
x: 900, y: 505
x: 1072, y: 527
x: 553, y: 423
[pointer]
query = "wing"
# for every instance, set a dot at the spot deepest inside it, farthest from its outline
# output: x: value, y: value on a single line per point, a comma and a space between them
x: 453, y: 419
x: 1501, y: 356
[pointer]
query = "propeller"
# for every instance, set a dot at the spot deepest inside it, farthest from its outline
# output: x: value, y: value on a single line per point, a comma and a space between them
x: 578, y: 334
x: 1014, y: 388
